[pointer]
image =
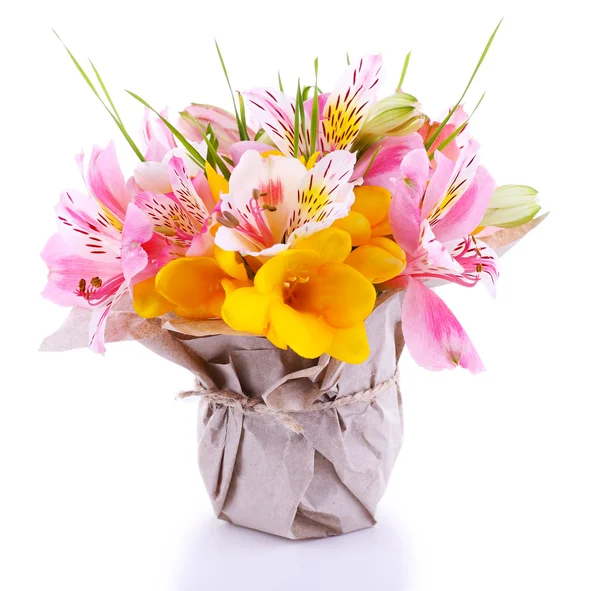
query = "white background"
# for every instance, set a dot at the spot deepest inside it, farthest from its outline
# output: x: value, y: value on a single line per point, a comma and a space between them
x: 497, y: 485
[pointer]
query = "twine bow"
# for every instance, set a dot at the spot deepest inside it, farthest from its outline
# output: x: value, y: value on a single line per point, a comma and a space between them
x: 247, y: 405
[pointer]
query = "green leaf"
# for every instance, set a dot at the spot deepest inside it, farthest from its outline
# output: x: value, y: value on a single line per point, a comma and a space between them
x: 347, y: 58
x: 430, y: 141
x: 259, y: 134
x: 314, y: 118
x: 279, y: 80
x: 210, y: 145
x: 241, y: 128
x: 404, y: 68
x: 459, y: 129
x: 243, y: 115
x: 115, y: 116
x: 193, y: 153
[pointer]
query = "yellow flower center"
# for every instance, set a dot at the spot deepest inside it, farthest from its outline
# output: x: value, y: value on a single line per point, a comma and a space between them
x: 292, y: 290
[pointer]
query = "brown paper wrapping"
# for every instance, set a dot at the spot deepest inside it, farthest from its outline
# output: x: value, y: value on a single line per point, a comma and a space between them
x: 324, y: 481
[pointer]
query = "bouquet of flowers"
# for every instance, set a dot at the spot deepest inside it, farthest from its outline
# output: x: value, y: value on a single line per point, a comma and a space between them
x: 284, y: 253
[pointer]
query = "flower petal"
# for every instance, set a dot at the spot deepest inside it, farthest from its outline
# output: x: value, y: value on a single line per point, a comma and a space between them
x: 137, y: 229
x: 106, y: 181
x: 380, y: 163
x: 357, y: 225
x: 350, y: 345
x: 324, y: 194
x: 274, y: 111
x: 231, y: 262
x: 340, y: 293
x: 433, y: 335
x: 468, y: 211
x: 332, y: 244
x: 147, y: 302
x: 306, y: 333
x: 239, y: 148
x: 157, y: 136
x: 247, y: 310
x: 348, y: 104
x: 372, y: 202
x: 190, y: 282
x: 289, y: 263
x: 405, y: 214
x: 375, y: 263
x: 186, y: 192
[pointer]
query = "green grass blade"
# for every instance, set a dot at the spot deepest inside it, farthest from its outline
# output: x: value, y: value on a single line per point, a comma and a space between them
x: 210, y: 145
x: 430, y: 141
x: 241, y: 128
x: 314, y: 117
x: 280, y: 82
x: 243, y: 116
x: 193, y: 153
x: 115, y: 117
x: 459, y: 129
x: 404, y: 68
x: 347, y: 58
x: 105, y: 91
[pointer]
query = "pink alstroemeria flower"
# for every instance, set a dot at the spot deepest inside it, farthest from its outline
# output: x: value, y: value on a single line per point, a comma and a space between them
x: 432, y: 217
x: 99, y: 251
x: 273, y: 201
x: 341, y: 113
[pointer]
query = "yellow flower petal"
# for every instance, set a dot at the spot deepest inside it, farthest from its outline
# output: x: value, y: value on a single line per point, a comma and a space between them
x: 312, y: 160
x: 275, y: 338
x: 247, y: 310
x: 285, y: 266
x: 273, y: 152
x: 382, y: 229
x: 391, y: 246
x: 375, y: 263
x: 231, y: 262
x: 147, y: 302
x: 332, y: 244
x: 373, y: 203
x: 217, y: 183
x: 210, y: 309
x: 350, y: 344
x: 357, y: 225
x: 337, y: 292
x: 190, y: 282
x: 306, y: 333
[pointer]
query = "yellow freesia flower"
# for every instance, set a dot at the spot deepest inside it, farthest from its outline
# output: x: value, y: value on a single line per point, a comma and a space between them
x: 307, y: 299
x: 377, y: 257
x: 191, y: 287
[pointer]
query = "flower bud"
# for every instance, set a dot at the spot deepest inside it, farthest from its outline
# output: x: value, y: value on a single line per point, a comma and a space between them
x: 511, y: 206
x: 395, y: 115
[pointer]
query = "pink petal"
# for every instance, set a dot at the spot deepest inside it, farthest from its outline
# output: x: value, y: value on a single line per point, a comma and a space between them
x: 106, y: 182
x: 275, y: 113
x: 466, y: 214
x: 433, y: 335
x: 383, y: 171
x: 438, y: 185
x: 137, y: 230
x: 222, y: 122
x: 239, y: 148
x: 186, y: 193
x: 405, y: 217
x: 159, y: 140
